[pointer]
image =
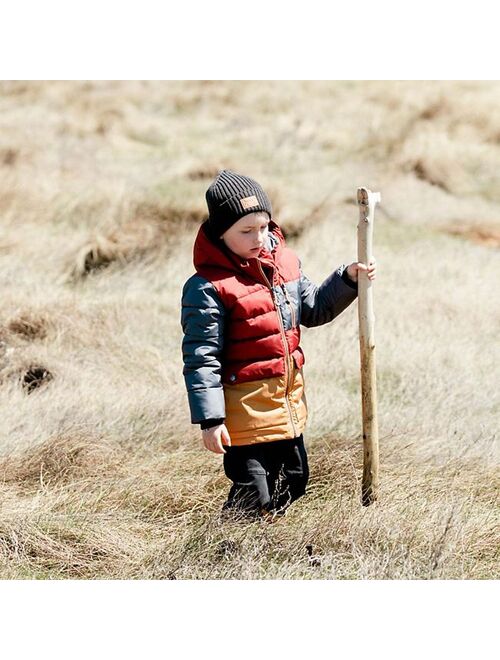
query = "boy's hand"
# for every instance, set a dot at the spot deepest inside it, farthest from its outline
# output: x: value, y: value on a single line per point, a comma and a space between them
x: 371, y: 269
x: 215, y: 437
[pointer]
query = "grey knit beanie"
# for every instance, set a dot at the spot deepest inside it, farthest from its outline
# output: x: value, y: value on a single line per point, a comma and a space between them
x: 230, y: 197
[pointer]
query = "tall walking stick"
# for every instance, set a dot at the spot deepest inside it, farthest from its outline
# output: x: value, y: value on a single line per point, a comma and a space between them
x: 367, y: 201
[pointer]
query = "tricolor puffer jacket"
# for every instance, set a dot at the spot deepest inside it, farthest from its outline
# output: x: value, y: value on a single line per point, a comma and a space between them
x: 241, y: 318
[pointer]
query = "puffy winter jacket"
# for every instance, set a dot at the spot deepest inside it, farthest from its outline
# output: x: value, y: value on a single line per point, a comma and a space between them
x: 241, y: 321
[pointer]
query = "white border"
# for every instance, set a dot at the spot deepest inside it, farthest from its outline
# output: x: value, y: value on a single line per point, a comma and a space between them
x: 221, y: 39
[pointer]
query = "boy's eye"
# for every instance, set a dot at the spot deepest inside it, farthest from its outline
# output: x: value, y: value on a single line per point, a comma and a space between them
x: 248, y: 232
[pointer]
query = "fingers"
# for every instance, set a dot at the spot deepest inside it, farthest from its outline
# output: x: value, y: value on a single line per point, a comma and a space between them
x: 212, y: 441
x: 219, y: 449
x: 225, y: 437
x: 214, y: 444
x: 371, y: 269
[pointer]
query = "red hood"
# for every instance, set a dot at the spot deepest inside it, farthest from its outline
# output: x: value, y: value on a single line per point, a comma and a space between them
x: 209, y: 254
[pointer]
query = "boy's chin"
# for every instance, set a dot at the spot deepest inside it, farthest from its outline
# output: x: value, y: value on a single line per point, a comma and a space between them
x: 248, y: 255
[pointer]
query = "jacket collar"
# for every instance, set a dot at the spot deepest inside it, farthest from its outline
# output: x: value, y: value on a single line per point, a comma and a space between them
x: 210, y: 254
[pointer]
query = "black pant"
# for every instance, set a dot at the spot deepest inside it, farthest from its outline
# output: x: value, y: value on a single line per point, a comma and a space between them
x: 266, y: 475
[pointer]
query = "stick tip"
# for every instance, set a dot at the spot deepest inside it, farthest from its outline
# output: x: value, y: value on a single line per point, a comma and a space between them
x: 365, y: 196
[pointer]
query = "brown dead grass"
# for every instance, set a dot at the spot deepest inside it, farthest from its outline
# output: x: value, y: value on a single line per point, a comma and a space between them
x: 30, y: 324
x: 60, y: 459
x: 149, y: 233
x: 206, y: 172
x: 9, y: 156
x: 101, y: 473
x: 105, y: 516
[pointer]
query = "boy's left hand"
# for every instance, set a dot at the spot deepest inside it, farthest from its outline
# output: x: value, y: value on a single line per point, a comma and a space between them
x: 371, y: 269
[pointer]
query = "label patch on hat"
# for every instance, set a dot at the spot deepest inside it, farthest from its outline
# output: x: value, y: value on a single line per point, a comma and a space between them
x: 248, y: 202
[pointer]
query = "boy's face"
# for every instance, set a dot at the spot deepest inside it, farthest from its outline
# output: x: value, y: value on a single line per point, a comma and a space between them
x: 247, y: 237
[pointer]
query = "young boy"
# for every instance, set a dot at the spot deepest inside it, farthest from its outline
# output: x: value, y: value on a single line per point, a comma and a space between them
x: 243, y: 364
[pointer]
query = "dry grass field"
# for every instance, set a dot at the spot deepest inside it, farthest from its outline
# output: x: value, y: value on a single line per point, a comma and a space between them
x: 101, y: 193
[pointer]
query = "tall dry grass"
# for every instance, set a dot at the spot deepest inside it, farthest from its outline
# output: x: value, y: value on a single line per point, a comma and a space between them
x: 101, y: 194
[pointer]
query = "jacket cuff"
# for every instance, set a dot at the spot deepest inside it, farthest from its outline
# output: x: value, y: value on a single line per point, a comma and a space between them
x: 206, y: 403
x: 348, y: 281
x: 208, y: 423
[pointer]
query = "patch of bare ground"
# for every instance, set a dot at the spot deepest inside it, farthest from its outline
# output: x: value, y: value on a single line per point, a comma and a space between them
x: 487, y: 235
x: 30, y: 376
x: 34, y: 377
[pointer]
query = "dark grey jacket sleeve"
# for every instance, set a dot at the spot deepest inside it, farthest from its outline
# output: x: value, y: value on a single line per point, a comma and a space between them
x: 322, y: 304
x: 202, y: 320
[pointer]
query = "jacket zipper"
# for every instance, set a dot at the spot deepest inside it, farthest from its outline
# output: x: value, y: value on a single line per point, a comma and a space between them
x: 288, y: 370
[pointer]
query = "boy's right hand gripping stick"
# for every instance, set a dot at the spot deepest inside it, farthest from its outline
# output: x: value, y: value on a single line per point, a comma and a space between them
x: 367, y: 201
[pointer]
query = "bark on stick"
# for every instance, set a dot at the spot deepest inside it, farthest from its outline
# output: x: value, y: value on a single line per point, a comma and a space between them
x: 367, y: 201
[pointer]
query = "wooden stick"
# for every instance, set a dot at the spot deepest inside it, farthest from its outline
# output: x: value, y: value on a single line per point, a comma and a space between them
x: 367, y: 201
